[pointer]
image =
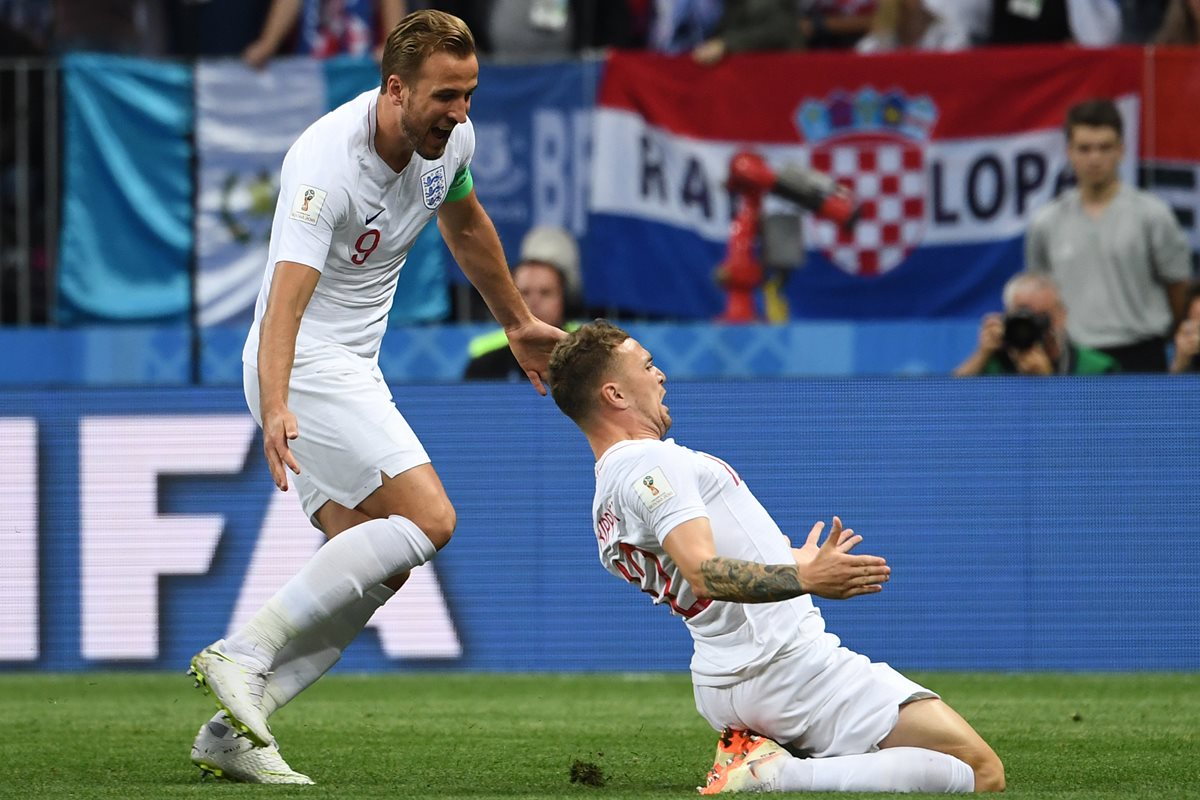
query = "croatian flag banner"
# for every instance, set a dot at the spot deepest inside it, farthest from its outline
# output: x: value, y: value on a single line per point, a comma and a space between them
x: 948, y: 175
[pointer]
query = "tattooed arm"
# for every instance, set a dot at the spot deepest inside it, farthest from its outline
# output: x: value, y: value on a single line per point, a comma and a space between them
x: 747, y: 582
x: 831, y: 570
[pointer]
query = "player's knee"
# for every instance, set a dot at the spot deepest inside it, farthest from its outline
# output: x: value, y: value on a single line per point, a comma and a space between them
x: 989, y: 773
x: 438, y: 523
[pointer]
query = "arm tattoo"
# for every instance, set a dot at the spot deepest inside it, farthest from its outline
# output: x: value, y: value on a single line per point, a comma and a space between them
x: 749, y: 582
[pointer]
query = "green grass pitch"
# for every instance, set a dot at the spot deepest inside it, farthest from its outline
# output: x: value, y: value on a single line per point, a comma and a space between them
x: 127, y: 735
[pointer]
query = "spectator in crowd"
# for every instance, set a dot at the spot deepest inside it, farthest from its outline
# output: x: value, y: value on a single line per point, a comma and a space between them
x: 132, y: 27
x: 750, y: 25
x: 529, y: 28
x: 1091, y: 23
x: 326, y: 28
x: 1030, y: 337
x: 24, y: 32
x: 25, y: 26
x: 1141, y: 19
x: 1187, y: 336
x: 548, y: 278
x: 835, y: 24
x: 679, y: 26
x: 916, y: 25
x: 215, y: 27
x: 609, y: 23
x: 521, y: 29
x: 1181, y: 23
x: 1117, y: 253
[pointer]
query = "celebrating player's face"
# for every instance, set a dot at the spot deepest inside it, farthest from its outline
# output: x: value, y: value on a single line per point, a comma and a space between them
x: 437, y: 101
x: 645, y: 384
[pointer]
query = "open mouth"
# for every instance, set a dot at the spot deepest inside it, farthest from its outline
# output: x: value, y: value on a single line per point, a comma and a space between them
x: 441, y: 134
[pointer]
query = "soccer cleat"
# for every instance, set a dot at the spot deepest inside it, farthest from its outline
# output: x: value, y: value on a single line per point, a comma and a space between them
x: 755, y: 769
x: 238, y: 691
x: 219, y: 750
x: 731, y: 743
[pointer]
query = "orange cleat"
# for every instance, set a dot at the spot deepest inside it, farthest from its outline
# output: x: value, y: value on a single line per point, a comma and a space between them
x: 733, y: 742
x: 746, y: 762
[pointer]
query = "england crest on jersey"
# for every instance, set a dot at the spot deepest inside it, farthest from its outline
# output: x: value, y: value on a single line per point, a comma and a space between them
x: 874, y: 145
x: 433, y: 187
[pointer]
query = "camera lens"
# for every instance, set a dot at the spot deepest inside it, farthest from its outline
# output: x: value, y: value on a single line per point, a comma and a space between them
x: 1023, y: 329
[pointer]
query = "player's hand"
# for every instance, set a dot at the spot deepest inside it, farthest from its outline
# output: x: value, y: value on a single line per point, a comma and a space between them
x: 278, y: 428
x: 830, y: 570
x: 991, y: 334
x: 531, y: 344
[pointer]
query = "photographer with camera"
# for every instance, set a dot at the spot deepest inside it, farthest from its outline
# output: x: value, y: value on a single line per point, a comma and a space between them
x: 1030, y: 337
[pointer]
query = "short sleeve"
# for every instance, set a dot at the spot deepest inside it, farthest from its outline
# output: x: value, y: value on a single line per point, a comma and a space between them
x: 1171, y: 252
x: 661, y: 489
x: 315, y: 204
x: 463, y: 182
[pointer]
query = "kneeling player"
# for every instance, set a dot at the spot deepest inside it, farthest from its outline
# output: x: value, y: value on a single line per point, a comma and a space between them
x: 798, y: 711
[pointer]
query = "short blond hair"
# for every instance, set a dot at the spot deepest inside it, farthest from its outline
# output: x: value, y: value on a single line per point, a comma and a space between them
x: 580, y: 363
x: 418, y: 36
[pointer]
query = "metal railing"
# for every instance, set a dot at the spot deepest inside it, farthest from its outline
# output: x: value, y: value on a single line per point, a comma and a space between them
x: 29, y: 189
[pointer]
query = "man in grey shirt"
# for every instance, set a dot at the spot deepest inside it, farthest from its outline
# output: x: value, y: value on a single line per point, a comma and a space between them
x: 1117, y: 253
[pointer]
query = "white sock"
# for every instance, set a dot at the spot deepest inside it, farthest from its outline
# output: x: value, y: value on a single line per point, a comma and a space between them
x: 893, y: 769
x: 311, y: 655
x: 336, y: 577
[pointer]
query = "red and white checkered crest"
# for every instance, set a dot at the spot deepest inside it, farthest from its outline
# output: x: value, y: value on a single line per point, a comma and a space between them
x: 887, y: 174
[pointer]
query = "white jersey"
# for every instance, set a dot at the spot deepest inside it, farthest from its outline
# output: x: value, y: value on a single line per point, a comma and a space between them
x: 644, y: 489
x: 344, y: 212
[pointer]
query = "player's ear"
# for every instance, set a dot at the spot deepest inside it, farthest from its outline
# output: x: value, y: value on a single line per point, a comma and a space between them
x: 396, y: 89
x: 611, y: 395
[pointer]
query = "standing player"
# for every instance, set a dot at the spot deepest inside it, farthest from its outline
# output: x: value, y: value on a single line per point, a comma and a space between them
x: 684, y: 527
x: 356, y: 189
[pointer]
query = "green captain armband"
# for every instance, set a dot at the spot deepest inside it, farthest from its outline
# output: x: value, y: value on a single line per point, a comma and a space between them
x: 461, y: 186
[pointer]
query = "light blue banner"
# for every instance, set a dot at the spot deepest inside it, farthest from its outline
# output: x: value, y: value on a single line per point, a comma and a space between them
x: 126, y: 241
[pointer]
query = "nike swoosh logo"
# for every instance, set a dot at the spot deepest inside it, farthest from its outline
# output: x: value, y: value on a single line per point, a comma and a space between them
x: 373, y: 217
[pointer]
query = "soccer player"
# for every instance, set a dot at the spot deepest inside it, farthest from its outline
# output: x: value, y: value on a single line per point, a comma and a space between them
x: 356, y: 188
x: 797, y: 711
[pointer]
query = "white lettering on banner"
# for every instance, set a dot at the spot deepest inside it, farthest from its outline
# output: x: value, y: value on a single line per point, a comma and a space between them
x: 414, y: 624
x: 980, y: 189
x: 125, y: 544
x: 19, y: 538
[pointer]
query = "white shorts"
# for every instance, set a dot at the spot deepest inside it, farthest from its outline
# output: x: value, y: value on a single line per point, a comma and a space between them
x: 818, y: 700
x: 350, y: 430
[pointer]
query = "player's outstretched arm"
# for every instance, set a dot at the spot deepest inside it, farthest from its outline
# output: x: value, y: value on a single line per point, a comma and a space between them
x: 691, y: 547
x: 472, y: 239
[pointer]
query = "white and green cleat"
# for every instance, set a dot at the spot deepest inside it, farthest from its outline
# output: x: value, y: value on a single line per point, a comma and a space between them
x: 219, y: 750
x: 238, y: 691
